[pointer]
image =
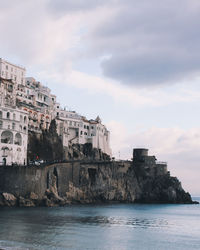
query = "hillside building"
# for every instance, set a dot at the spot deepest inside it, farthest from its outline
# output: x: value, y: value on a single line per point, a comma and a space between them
x: 27, y: 105
x: 13, y: 126
x: 12, y: 72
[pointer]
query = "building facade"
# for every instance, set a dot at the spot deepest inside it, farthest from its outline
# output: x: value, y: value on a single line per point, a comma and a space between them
x: 27, y: 105
x: 12, y: 72
x: 13, y: 126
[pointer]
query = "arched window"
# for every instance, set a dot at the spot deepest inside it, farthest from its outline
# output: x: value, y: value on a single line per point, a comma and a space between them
x: 5, y: 151
x: 14, y: 116
x: 18, y: 139
x: 25, y: 119
x: 7, y: 137
x: 8, y: 115
x: 1, y: 124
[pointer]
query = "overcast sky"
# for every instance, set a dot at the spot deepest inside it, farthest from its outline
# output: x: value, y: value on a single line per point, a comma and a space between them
x: 135, y: 63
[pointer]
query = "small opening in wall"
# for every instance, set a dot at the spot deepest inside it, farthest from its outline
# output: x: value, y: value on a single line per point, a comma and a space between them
x: 92, y: 175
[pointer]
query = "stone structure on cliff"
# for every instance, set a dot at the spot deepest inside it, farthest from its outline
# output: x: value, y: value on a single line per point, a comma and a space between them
x: 91, y: 180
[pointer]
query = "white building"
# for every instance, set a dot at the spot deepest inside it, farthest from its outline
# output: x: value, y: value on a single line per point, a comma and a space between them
x: 14, y: 136
x: 11, y: 71
x: 13, y: 126
x: 26, y: 104
x: 78, y: 130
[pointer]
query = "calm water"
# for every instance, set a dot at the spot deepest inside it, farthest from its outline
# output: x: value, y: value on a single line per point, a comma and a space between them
x: 101, y: 227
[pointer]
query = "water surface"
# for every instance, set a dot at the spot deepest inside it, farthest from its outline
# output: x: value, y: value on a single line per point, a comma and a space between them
x: 101, y: 227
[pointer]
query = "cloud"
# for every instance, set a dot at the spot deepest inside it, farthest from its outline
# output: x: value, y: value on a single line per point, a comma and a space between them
x: 67, y: 6
x: 139, y: 43
x: 150, y: 42
x: 31, y: 35
x: 179, y: 147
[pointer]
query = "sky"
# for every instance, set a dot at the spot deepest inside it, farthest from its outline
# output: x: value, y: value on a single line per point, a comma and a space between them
x: 135, y: 63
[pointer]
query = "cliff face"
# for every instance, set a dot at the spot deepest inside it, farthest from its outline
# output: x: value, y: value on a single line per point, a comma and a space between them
x: 85, y: 175
x: 121, y: 182
x: 87, y: 182
x: 46, y: 146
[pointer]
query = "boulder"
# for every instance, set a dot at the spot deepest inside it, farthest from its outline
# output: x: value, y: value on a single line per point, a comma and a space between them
x: 9, y: 199
x: 23, y: 202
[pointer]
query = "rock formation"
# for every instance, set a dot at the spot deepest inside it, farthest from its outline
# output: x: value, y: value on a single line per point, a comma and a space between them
x: 142, y: 180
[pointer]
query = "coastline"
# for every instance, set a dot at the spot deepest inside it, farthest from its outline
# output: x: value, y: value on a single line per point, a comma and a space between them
x: 89, y: 182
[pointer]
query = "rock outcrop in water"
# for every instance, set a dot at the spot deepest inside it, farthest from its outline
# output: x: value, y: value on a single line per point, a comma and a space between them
x: 84, y: 181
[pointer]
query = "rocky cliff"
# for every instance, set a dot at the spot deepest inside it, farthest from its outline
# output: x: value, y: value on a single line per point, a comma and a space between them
x: 87, y: 182
x: 81, y: 174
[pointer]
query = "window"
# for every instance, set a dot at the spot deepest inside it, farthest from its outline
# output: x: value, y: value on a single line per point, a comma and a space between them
x: 84, y: 126
x: 87, y: 127
x: 81, y: 132
x: 1, y: 124
x: 7, y: 137
x: 7, y: 67
x: 13, y: 125
x: 8, y: 115
x: 92, y: 127
x: 14, y: 116
x: 0, y: 114
x: 18, y: 139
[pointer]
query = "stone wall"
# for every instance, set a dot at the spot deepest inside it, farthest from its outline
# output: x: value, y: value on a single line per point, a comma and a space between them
x: 87, y: 182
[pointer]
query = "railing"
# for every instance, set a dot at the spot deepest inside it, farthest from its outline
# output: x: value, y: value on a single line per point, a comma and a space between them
x: 161, y: 162
x: 48, y: 163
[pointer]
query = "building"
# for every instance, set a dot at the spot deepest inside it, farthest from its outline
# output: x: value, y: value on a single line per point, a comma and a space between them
x: 27, y: 105
x: 12, y: 72
x: 13, y: 126
x: 148, y: 165
x: 78, y: 130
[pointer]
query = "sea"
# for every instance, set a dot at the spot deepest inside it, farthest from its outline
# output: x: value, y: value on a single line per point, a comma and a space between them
x: 110, y: 226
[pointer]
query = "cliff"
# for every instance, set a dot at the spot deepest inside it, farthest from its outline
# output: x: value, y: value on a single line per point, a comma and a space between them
x: 87, y: 182
x: 81, y: 174
x: 48, y: 147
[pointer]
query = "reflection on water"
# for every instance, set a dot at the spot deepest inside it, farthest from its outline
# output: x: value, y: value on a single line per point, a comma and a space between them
x: 101, y: 227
